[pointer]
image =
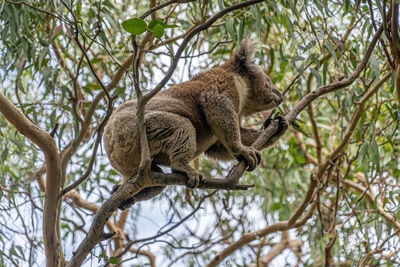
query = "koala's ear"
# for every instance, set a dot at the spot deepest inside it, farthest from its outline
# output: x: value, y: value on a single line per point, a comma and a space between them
x: 243, y: 59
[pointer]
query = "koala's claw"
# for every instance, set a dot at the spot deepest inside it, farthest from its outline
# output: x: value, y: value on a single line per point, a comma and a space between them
x: 283, y: 124
x: 115, y: 188
x: 194, y: 181
x: 194, y: 178
x: 266, y: 123
x: 252, y: 157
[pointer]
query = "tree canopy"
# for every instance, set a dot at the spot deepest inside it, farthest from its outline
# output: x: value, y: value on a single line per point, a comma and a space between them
x: 327, y: 193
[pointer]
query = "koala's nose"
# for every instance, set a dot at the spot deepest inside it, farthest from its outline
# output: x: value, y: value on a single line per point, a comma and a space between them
x: 278, y: 94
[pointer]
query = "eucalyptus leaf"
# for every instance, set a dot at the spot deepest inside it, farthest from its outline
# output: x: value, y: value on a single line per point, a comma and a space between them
x: 158, y: 30
x: 135, y: 26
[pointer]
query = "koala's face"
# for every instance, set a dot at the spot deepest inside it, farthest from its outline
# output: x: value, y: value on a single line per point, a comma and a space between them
x: 274, y: 96
x: 263, y: 94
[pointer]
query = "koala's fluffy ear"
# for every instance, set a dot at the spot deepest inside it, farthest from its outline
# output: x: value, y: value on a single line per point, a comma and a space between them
x: 243, y: 59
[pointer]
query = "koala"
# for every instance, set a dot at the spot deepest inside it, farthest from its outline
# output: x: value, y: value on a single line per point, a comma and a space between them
x: 199, y: 116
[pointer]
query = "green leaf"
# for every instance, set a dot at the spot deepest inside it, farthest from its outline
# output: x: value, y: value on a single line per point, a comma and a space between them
x: 93, y: 86
x: 317, y: 76
x: 4, y: 154
x: 114, y: 260
x: 170, y: 26
x: 332, y: 51
x: 299, y: 93
x: 230, y: 28
x: 135, y: 25
x: 363, y: 150
x: 158, y: 31
x: 155, y: 22
x: 375, y: 66
x: 103, y: 253
x: 375, y: 154
x: 242, y: 29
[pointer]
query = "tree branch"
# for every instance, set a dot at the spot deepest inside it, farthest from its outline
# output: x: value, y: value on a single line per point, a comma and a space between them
x: 48, y: 145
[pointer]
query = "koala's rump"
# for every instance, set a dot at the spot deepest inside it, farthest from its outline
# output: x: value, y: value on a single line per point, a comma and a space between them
x: 121, y: 141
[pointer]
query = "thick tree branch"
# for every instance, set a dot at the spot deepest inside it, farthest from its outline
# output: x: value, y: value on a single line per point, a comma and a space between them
x: 48, y: 145
x: 396, y: 45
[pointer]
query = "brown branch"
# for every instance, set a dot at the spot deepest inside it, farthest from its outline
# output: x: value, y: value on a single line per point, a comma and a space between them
x: 145, y: 158
x: 314, y: 122
x: 386, y: 52
x: 148, y: 254
x: 170, y: 2
x: 395, y: 32
x: 395, y: 45
x: 275, y: 250
x: 48, y: 145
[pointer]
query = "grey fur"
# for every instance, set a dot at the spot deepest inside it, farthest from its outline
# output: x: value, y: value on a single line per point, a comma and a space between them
x: 201, y: 115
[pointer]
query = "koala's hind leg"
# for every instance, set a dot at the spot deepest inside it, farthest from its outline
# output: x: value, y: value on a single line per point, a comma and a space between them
x: 174, y: 136
x: 181, y: 150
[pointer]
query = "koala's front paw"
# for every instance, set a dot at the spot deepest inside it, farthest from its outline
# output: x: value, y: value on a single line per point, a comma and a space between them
x: 252, y: 157
x: 283, y: 124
